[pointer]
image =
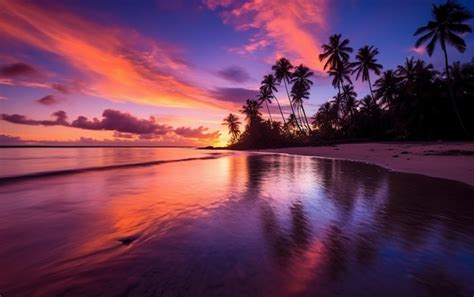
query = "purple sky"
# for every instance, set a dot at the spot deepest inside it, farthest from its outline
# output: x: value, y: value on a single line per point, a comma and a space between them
x: 167, y: 72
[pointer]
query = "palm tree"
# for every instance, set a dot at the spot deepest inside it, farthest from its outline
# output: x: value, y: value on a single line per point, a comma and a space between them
x: 349, y: 98
x: 265, y: 96
x: 365, y: 63
x: 269, y: 84
x: 386, y: 88
x: 325, y: 120
x: 282, y: 70
x: 367, y: 105
x: 301, y: 86
x: 336, y: 52
x: 407, y: 72
x: 299, y: 92
x: 291, y: 124
x: 340, y: 75
x: 448, y: 21
x: 232, y: 122
x: 251, y: 111
x: 463, y: 78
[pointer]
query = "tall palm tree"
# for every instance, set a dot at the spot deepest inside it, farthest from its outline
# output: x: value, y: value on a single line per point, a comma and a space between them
x: 265, y: 97
x: 387, y: 88
x: 233, y: 124
x: 448, y: 21
x: 282, y: 70
x: 300, y: 92
x: 301, y: 85
x: 269, y: 84
x: 336, y: 52
x: 365, y: 63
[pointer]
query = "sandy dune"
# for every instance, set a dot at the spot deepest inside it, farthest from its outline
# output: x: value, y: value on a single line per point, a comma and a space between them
x: 453, y: 161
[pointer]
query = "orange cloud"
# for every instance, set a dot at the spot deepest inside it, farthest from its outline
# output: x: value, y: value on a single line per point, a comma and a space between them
x: 117, y: 63
x: 291, y: 26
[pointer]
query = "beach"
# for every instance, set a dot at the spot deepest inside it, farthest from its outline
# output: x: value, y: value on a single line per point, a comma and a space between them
x: 453, y: 161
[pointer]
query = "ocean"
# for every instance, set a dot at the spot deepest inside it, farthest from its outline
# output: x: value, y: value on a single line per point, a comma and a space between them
x: 188, y: 222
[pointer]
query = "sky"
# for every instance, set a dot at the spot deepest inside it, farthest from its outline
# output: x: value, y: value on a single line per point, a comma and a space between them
x: 166, y: 72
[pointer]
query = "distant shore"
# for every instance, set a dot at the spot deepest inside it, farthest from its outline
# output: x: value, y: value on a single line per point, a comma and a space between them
x: 454, y: 161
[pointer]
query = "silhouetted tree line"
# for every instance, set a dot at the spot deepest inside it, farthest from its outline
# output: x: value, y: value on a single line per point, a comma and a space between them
x: 413, y: 101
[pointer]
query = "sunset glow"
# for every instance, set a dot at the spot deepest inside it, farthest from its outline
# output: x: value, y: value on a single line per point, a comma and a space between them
x: 182, y: 66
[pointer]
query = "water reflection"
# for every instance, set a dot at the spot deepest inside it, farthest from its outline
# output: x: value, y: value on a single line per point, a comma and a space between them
x: 245, y: 225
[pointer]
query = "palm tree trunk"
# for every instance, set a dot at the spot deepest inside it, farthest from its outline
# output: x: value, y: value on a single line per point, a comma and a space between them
x: 279, y: 107
x: 306, y: 119
x: 370, y: 88
x: 268, y: 109
x: 451, y: 95
x: 373, y: 99
x: 291, y: 105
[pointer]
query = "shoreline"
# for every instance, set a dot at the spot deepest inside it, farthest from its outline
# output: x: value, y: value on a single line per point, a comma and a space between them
x: 452, y: 161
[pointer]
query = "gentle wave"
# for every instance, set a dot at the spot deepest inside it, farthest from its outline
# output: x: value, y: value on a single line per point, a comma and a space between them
x: 42, y: 174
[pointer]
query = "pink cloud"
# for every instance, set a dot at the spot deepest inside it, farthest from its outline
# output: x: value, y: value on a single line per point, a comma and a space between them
x: 292, y: 27
x: 115, y: 62
x: 418, y: 50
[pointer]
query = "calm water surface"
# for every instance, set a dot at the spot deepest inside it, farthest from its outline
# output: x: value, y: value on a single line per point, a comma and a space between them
x: 229, y: 224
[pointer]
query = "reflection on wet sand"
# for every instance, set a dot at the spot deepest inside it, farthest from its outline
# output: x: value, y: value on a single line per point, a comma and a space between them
x: 245, y: 225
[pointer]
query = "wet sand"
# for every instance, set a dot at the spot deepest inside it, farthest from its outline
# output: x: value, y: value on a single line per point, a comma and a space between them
x: 454, y: 161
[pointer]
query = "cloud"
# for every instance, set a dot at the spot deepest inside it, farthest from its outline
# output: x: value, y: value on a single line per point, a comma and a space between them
x: 60, y: 120
x: 234, y: 74
x: 418, y: 50
x: 115, y: 120
x: 9, y: 140
x: 49, y: 100
x: 123, y: 124
x: 115, y: 62
x: 124, y: 135
x: 199, y: 133
x: 18, y: 69
x: 290, y: 26
x: 234, y: 95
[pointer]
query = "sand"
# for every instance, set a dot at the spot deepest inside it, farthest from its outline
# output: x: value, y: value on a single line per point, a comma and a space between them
x: 454, y: 161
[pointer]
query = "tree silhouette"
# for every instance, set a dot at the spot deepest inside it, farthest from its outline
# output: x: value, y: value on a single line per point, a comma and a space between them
x: 283, y: 71
x: 268, y: 85
x: 448, y: 21
x: 387, y: 88
x: 252, y: 111
x: 366, y: 62
x: 265, y: 97
x: 301, y: 86
x: 340, y: 74
x: 336, y: 52
x: 233, y: 124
